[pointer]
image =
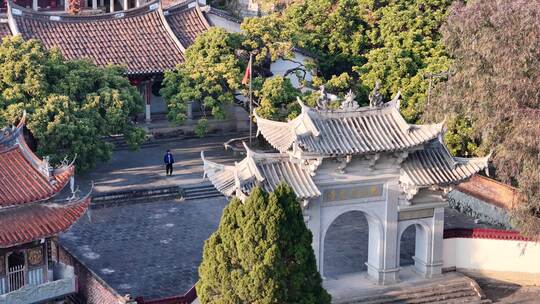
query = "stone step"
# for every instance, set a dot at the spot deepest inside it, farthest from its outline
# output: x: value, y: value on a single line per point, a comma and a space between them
x: 205, y: 196
x: 461, y: 290
x: 201, y: 192
x: 470, y: 300
x: 114, y: 198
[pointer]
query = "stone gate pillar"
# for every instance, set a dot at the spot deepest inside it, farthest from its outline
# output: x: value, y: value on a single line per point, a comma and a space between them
x: 387, y: 270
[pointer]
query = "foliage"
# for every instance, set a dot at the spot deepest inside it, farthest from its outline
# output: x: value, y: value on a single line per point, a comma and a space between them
x: 496, y: 90
x: 261, y: 253
x: 210, y: 74
x: 71, y: 105
x: 264, y: 37
x: 276, y: 94
x: 202, y: 127
x: 357, y: 42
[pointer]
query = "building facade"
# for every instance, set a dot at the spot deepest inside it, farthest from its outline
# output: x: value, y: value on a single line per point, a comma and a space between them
x: 358, y: 159
x: 30, y: 269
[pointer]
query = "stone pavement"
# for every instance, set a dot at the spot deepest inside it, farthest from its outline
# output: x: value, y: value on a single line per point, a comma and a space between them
x: 144, y: 168
x: 148, y: 249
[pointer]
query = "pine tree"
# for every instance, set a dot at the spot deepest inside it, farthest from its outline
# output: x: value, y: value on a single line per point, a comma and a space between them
x: 261, y: 253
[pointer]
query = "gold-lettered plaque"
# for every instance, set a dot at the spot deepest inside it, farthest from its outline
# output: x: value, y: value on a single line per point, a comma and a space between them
x: 352, y: 193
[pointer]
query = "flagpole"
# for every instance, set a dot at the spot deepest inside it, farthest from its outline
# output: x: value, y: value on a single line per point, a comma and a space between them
x: 250, y: 102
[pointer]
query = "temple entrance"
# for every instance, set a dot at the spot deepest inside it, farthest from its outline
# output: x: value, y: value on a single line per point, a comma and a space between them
x: 346, y: 244
x: 16, y: 270
x: 407, y: 246
x: 414, y: 246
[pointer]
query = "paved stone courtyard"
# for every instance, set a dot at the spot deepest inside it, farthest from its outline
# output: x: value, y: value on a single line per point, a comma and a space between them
x: 150, y: 249
x: 154, y: 249
x: 144, y: 168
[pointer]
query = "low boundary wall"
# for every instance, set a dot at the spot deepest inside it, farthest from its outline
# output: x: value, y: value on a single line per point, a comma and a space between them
x: 497, y: 254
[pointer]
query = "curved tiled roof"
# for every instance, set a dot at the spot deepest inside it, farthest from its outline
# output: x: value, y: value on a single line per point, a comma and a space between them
x: 429, y: 165
x: 347, y: 131
x: 186, y: 22
x: 24, y: 178
x: 266, y: 169
x: 4, y: 29
x: 30, y: 222
x: 434, y: 165
x: 140, y: 38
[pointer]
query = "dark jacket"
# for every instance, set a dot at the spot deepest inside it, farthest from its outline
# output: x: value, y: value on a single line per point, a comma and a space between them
x: 168, y: 158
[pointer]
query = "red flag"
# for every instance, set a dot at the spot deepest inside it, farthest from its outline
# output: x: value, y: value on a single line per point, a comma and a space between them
x: 245, y: 80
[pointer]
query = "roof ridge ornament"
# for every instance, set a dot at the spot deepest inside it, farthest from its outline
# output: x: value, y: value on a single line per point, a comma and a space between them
x: 322, y: 100
x: 375, y: 98
x: 396, y: 101
x: 349, y: 103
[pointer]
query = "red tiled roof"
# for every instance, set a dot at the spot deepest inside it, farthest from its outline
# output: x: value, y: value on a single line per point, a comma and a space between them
x: 23, y: 224
x: 4, y: 30
x: 23, y: 178
x: 21, y: 182
x: 139, y: 38
x: 187, y: 23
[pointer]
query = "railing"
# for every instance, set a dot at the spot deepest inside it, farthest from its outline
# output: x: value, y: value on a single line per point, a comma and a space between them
x: 40, y: 284
x: 16, y: 277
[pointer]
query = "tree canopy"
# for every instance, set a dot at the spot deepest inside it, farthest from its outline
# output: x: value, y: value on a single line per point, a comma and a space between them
x: 210, y: 75
x: 493, y: 95
x: 359, y: 42
x: 71, y: 105
x: 261, y: 253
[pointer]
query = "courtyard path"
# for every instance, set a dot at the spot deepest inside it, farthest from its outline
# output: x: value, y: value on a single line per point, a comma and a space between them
x: 144, y: 168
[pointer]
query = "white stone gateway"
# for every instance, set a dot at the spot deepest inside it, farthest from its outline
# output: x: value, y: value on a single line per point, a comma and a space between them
x: 366, y: 159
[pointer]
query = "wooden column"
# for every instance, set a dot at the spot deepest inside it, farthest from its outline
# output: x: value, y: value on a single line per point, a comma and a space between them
x: 111, y: 6
x: 126, y: 4
x: 35, y: 5
x: 94, y: 4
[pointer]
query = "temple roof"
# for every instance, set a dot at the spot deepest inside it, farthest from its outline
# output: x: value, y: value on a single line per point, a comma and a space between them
x: 427, y: 166
x: 30, y: 222
x: 434, y: 165
x: 27, y: 184
x: 24, y: 178
x: 350, y: 130
x: 4, y: 29
x: 186, y: 22
x: 265, y: 169
x: 139, y: 38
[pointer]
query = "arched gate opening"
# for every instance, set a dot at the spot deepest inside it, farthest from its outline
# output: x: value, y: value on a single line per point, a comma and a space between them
x: 346, y: 245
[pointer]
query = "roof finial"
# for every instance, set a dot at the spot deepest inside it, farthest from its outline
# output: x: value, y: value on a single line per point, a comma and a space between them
x: 375, y: 98
x: 349, y: 103
x: 322, y: 101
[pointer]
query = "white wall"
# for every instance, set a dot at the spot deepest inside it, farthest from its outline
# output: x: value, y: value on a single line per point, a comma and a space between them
x: 492, y: 255
x: 224, y: 23
x: 281, y: 66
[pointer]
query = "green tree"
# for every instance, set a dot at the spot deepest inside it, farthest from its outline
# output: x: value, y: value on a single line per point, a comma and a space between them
x: 276, y: 97
x: 72, y: 105
x: 210, y: 75
x: 495, y: 92
x: 261, y: 253
x: 359, y: 42
x: 405, y: 47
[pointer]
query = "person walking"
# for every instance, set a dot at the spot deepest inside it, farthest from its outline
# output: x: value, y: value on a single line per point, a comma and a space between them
x: 169, y: 161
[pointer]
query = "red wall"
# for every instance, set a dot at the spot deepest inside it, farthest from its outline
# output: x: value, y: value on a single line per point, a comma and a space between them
x: 90, y: 287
